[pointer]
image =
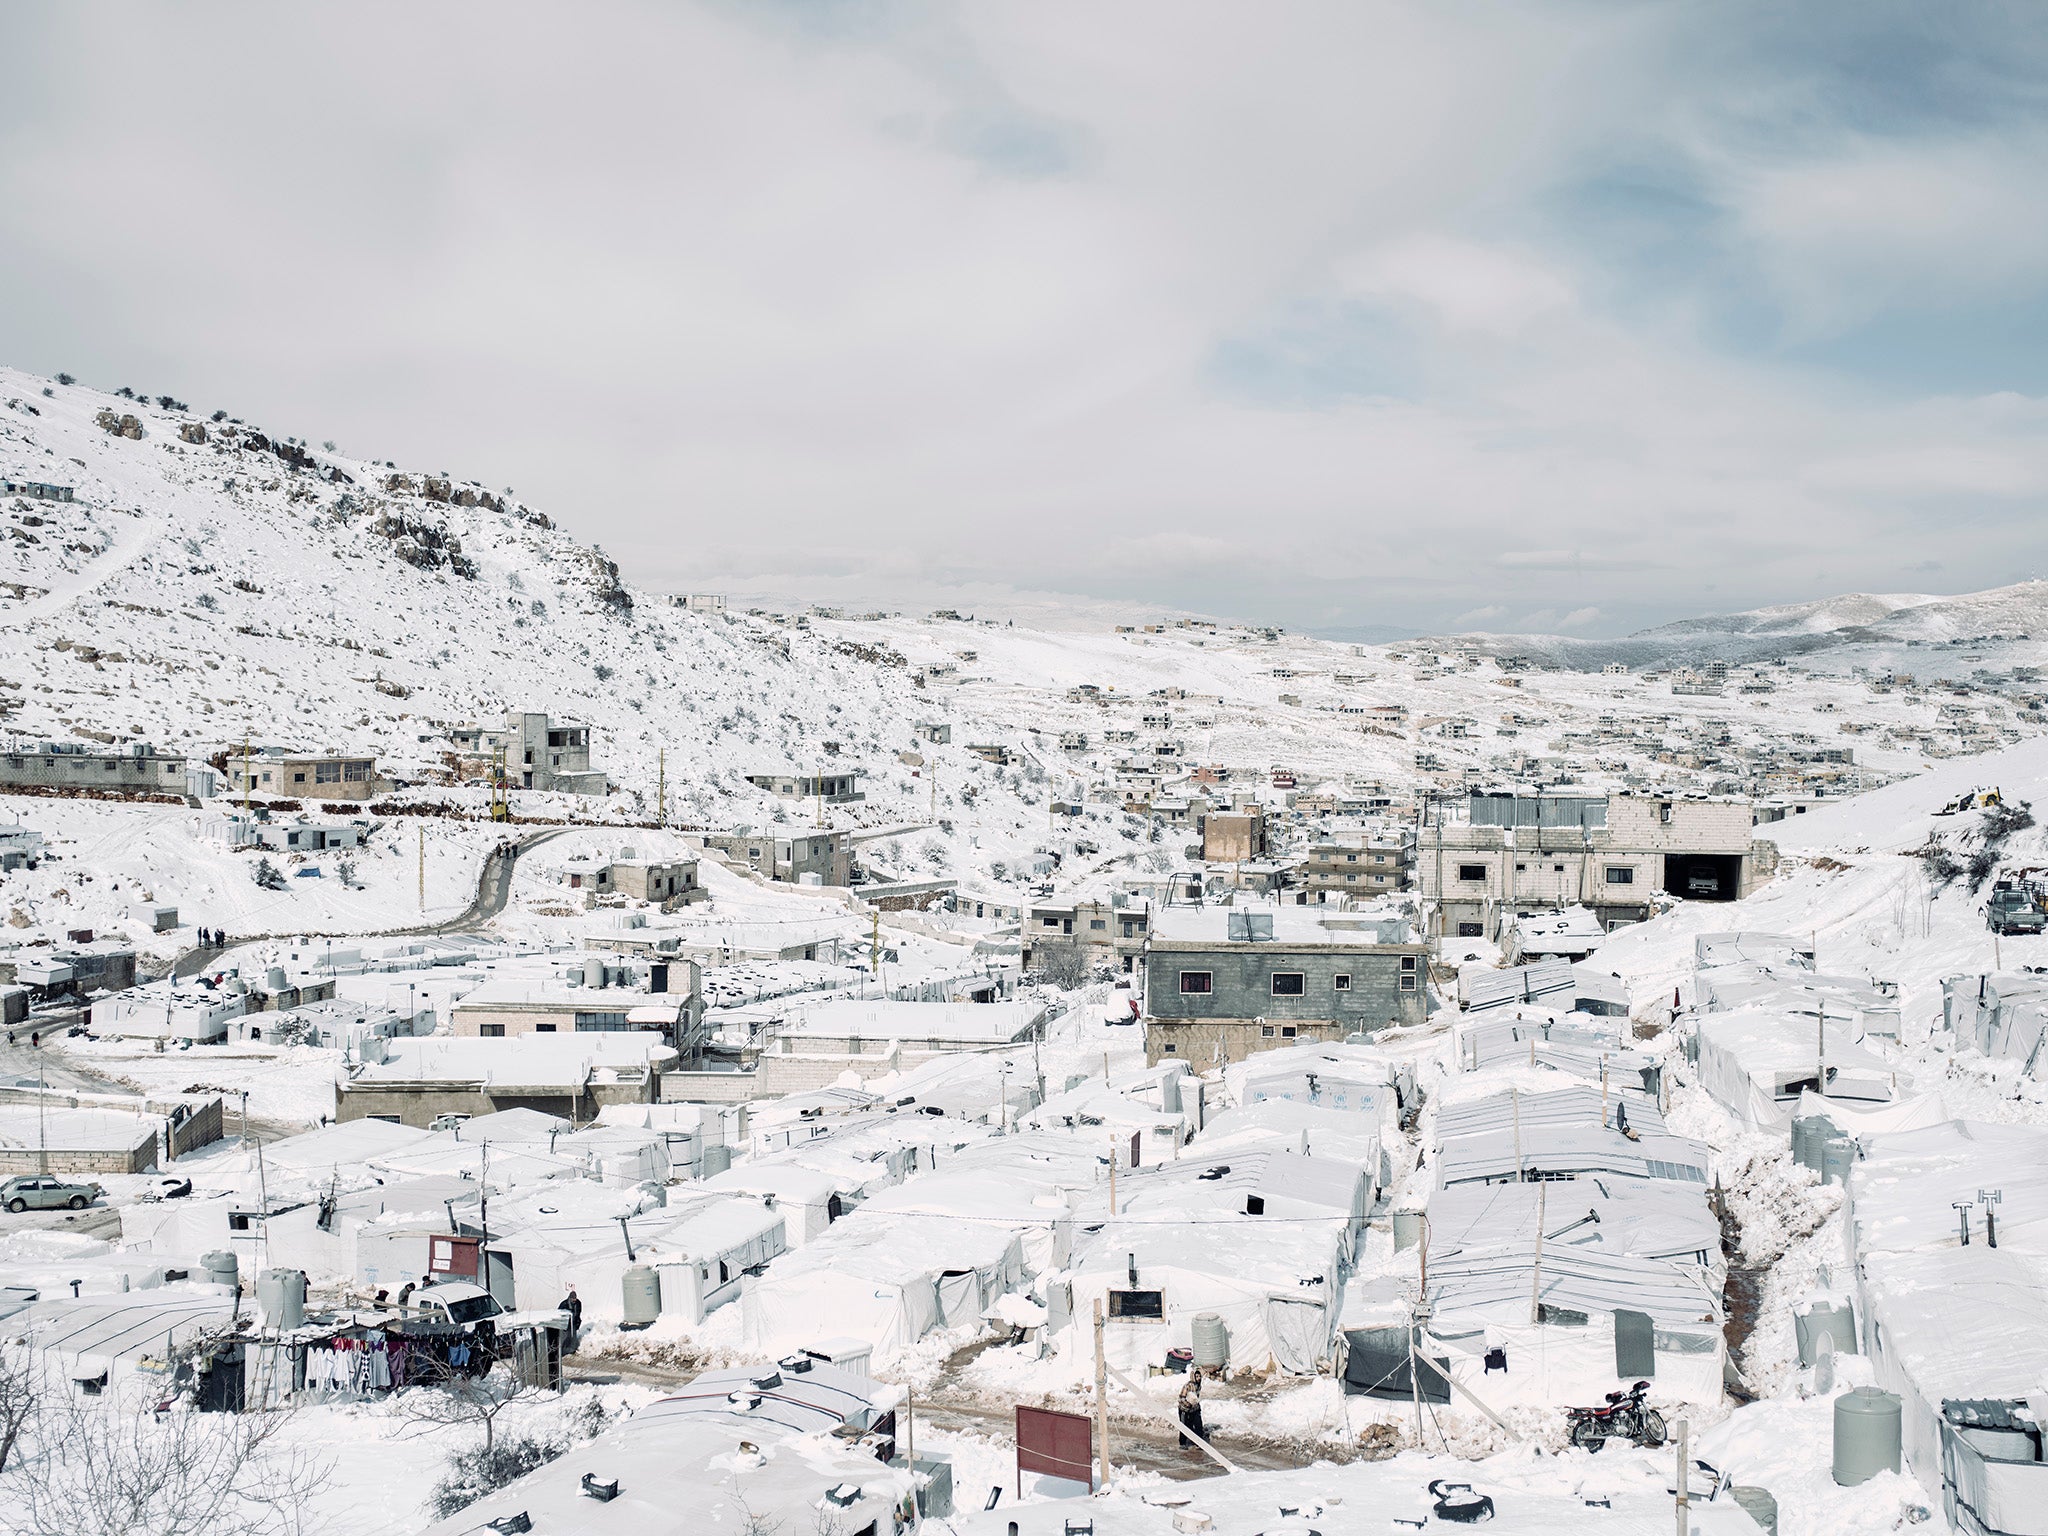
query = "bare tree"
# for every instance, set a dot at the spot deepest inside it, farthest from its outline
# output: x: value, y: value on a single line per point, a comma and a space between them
x: 98, y: 1466
x: 1063, y: 963
x: 451, y: 1397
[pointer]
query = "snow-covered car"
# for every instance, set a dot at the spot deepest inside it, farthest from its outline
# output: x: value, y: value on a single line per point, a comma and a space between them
x: 42, y: 1192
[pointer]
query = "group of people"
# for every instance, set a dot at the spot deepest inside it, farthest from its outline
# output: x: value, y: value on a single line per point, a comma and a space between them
x: 212, y: 938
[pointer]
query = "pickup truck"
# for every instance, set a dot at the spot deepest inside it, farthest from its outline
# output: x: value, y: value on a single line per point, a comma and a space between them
x: 2014, y: 911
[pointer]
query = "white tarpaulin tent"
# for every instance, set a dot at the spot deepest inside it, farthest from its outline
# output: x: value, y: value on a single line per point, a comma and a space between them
x: 1274, y: 1283
x: 1756, y: 1062
x: 883, y: 1277
x: 1944, y: 1323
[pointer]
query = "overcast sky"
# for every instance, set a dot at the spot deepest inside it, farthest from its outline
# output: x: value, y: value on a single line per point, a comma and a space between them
x: 1581, y: 316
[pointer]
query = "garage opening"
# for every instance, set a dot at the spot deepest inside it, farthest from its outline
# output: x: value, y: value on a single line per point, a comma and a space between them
x: 1703, y: 876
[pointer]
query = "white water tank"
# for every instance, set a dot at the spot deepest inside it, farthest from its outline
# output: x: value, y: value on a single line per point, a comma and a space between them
x: 1212, y: 1342
x: 219, y: 1268
x: 1868, y: 1425
x: 717, y: 1158
x: 274, y: 978
x: 281, y: 1297
x: 642, y: 1296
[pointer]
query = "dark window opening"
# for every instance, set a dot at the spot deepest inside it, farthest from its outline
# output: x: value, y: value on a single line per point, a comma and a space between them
x: 1142, y: 1304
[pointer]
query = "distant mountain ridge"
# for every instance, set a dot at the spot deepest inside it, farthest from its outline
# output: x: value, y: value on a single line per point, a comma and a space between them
x: 2013, y: 613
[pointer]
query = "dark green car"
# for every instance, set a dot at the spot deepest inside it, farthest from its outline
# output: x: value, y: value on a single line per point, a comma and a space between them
x: 45, y: 1192
x: 2014, y: 912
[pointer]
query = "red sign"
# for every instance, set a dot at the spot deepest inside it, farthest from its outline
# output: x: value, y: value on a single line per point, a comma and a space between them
x: 453, y: 1256
x: 1055, y: 1445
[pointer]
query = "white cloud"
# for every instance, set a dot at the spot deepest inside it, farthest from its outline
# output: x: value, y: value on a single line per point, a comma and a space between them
x: 938, y: 301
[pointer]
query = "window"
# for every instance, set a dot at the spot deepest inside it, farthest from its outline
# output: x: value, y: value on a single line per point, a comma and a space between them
x: 356, y: 773
x: 1150, y: 1305
x: 1557, y: 869
x: 1620, y: 874
x: 297, y: 778
x: 1350, y: 858
x: 1407, y: 962
x: 1471, y: 931
x: 1471, y: 871
x: 1287, y: 1031
x: 1255, y: 1205
x: 1192, y: 982
x: 1343, y: 981
x: 1520, y: 867
x: 586, y: 1022
x: 1289, y: 984
x: 327, y: 773
x: 1266, y: 1031
x: 491, y: 1031
x: 1171, y: 1049
x: 1407, y: 981
x: 1097, y: 924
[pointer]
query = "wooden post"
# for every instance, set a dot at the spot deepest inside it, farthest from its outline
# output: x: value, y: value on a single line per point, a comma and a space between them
x: 910, y: 1430
x: 1101, y: 1405
x: 1603, y: 1093
x: 1536, y: 1272
x: 1112, y: 1175
x: 423, y: 866
x: 1684, y: 1503
x: 1515, y: 1103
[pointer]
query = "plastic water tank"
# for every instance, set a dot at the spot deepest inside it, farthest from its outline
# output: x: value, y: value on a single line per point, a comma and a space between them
x: 274, y: 978
x: 1407, y: 1230
x: 219, y: 1268
x: 281, y: 1297
x: 1820, y: 1320
x: 1758, y: 1504
x: 1809, y: 1134
x: 1212, y: 1342
x: 1867, y: 1435
x: 1169, y: 1094
x: 593, y: 973
x: 1837, y: 1157
x: 717, y: 1157
x: 642, y: 1298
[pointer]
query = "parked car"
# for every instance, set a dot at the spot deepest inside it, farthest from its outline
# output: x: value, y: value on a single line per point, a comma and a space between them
x: 456, y: 1301
x: 45, y: 1192
x: 2014, y: 911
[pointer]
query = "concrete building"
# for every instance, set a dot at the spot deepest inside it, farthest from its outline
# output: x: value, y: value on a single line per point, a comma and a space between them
x: 663, y: 881
x: 274, y: 772
x: 410, y: 1081
x: 1233, y: 836
x: 834, y: 787
x: 1525, y: 852
x: 538, y: 753
x: 821, y: 853
x: 64, y: 765
x: 19, y: 845
x: 1106, y: 933
x: 39, y: 490
x: 1223, y: 983
x: 1365, y: 861
x: 661, y: 997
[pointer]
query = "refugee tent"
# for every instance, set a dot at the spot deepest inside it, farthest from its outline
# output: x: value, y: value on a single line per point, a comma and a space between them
x: 1352, y: 1077
x: 1290, y: 1126
x: 1274, y: 1284
x: 376, y: 1236
x: 2004, y: 1016
x: 686, y: 1128
x: 1633, y: 1218
x: 1872, y: 1008
x: 103, y: 1340
x: 1259, y: 1184
x: 1960, y: 1332
x: 808, y: 1201
x: 992, y: 1089
x: 703, y: 1258
x: 1600, y: 993
x: 1096, y: 1106
x: 1026, y: 1199
x: 1530, y: 1326
x: 1756, y: 1061
x: 886, y: 1278
x: 618, y: 1154
x: 1482, y: 987
x: 1776, y: 949
x: 1573, y: 933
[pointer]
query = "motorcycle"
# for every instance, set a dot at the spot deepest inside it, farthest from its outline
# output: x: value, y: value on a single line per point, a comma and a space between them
x: 1625, y: 1417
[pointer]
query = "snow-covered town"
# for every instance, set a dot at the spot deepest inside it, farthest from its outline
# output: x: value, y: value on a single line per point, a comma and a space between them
x: 919, y: 986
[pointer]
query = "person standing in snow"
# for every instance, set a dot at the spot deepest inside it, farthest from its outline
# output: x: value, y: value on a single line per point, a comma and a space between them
x: 573, y: 1305
x: 1191, y: 1406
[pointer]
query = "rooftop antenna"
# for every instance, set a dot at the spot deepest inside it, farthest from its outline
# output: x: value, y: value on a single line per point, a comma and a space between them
x: 1991, y: 1199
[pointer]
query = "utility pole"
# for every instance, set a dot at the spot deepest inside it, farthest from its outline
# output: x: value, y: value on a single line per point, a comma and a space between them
x: 246, y: 775
x: 661, y: 788
x: 1820, y: 1033
x: 423, y: 867
x: 1536, y: 1271
x: 1101, y: 1402
x: 875, y: 945
x: 1112, y: 1178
